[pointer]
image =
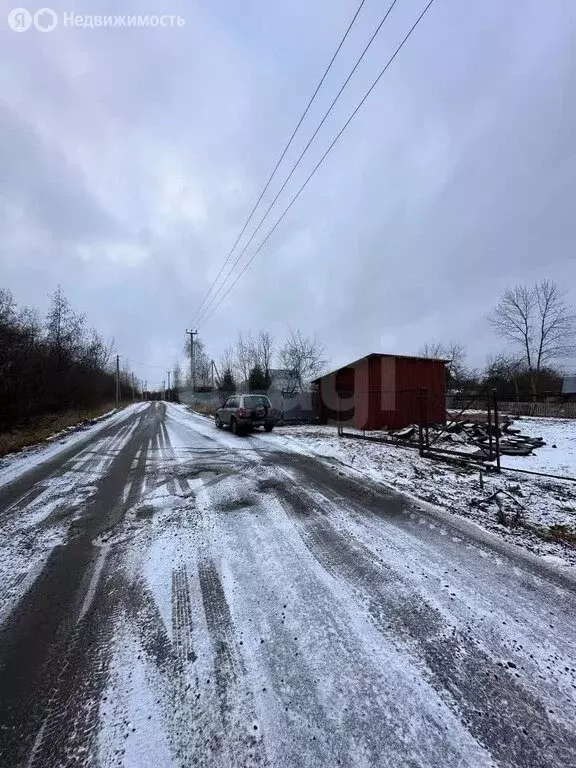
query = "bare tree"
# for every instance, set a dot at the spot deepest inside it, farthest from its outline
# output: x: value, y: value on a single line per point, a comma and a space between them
x: 455, y: 355
x: 202, y: 364
x: 303, y: 357
x: 538, y: 321
x: 177, y: 377
x: 246, y: 356
x: 51, y: 367
x: 227, y: 362
x: 65, y: 330
x: 504, y: 368
x: 264, y: 351
x: 97, y: 353
x: 7, y: 307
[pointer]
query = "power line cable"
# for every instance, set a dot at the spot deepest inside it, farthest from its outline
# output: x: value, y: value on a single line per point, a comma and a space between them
x: 286, y: 148
x: 304, y: 151
x: 137, y: 362
x: 324, y: 156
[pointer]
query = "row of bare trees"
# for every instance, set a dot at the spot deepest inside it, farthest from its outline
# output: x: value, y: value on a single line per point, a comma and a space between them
x: 52, y: 364
x: 252, y: 361
x: 540, y: 328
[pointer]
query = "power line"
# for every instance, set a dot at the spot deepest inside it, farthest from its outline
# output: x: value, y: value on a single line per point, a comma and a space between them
x: 137, y: 362
x: 286, y: 148
x: 297, y: 163
x: 324, y: 156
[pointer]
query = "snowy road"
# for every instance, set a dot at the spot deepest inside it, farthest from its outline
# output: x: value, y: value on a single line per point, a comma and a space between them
x: 174, y: 596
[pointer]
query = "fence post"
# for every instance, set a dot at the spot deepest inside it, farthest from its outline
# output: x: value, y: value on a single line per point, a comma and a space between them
x: 496, y: 428
x: 421, y: 421
x: 490, y: 446
x: 425, y: 399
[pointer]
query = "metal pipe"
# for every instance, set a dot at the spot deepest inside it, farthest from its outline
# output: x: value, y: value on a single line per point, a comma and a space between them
x: 421, y: 423
x: 496, y: 429
x: 490, y: 428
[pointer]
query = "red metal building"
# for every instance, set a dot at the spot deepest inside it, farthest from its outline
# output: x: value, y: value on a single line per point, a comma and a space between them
x: 383, y: 392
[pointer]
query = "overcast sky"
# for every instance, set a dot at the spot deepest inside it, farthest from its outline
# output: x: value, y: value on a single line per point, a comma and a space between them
x: 130, y: 158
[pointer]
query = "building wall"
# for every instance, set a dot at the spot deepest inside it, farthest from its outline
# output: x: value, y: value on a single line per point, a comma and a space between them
x: 383, y: 393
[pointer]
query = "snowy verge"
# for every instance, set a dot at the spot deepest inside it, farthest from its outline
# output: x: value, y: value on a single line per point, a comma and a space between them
x: 537, y: 513
x: 15, y: 464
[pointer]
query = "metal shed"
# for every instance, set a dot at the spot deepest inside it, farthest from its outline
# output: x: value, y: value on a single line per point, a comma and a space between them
x: 382, y: 391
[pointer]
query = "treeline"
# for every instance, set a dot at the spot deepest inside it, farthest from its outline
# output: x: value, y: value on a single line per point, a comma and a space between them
x: 254, y: 363
x: 540, y: 328
x: 51, y: 365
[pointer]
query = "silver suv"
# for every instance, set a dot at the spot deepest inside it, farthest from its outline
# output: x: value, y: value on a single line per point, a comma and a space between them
x: 244, y: 412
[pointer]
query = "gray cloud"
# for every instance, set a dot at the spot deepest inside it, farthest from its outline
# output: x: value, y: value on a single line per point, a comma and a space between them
x: 130, y: 158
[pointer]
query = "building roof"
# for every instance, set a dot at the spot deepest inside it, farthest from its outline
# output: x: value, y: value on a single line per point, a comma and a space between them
x: 381, y: 354
x: 569, y: 385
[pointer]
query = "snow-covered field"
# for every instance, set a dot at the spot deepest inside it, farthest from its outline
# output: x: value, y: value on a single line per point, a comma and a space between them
x: 542, y: 503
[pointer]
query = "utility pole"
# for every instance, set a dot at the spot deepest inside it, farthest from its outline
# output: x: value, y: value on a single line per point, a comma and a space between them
x: 169, y: 390
x: 163, y: 389
x: 145, y: 390
x: 117, y: 380
x: 215, y: 369
x: 133, y: 389
x: 192, y: 334
x: 212, y: 371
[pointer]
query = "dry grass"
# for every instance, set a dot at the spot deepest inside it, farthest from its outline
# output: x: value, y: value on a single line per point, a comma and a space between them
x: 562, y: 533
x: 206, y: 410
x: 42, y: 428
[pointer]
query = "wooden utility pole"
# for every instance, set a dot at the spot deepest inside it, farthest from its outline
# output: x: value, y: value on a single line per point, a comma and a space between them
x: 215, y: 370
x: 117, y: 380
x: 133, y: 388
x: 169, y: 390
x: 192, y: 381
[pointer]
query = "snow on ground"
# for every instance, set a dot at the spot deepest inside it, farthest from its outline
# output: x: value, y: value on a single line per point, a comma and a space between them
x: 543, y: 503
x: 558, y: 456
x: 15, y: 464
x: 264, y: 639
x: 259, y: 624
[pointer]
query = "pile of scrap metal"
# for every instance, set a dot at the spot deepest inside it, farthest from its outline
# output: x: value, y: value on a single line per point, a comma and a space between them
x: 473, y: 436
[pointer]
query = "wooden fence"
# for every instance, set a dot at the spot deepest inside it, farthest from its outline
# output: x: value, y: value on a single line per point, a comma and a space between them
x: 546, y: 410
x: 553, y: 410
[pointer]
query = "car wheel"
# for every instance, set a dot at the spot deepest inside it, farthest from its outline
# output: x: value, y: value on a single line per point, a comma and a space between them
x: 268, y: 427
x: 219, y: 424
x: 236, y: 429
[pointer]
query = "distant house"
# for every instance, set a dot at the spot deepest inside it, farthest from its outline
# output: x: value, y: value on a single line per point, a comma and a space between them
x: 281, y: 380
x: 383, y: 391
x: 569, y: 388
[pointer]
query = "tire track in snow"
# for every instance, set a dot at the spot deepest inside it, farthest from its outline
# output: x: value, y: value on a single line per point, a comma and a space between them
x: 237, y: 711
x: 506, y: 718
x: 182, y: 616
x: 48, y: 657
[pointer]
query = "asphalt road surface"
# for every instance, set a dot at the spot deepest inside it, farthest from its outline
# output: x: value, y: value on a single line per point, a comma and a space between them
x: 173, y: 595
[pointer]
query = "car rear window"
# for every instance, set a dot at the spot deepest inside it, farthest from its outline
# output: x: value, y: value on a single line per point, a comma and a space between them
x: 253, y: 401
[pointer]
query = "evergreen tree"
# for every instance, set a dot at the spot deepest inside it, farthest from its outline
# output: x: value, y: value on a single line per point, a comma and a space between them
x: 227, y: 384
x: 258, y: 380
